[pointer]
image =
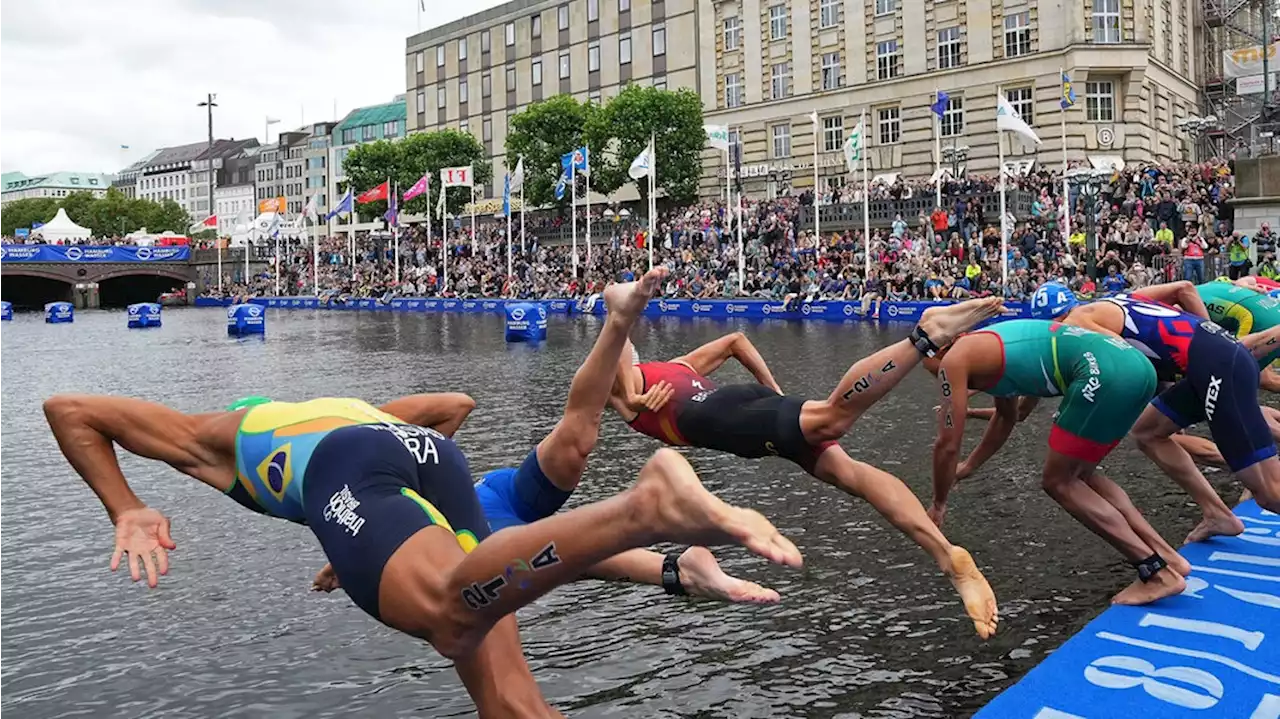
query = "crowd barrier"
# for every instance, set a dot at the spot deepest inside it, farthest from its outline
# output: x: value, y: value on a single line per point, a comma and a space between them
x: 834, y: 311
x: 92, y: 253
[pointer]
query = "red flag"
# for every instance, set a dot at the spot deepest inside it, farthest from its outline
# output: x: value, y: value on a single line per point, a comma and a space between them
x: 640, y: 238
x: 210, y: 221
x: 377, y: 193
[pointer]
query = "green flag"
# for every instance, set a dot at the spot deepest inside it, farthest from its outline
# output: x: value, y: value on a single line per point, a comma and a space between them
x: 853, y: 148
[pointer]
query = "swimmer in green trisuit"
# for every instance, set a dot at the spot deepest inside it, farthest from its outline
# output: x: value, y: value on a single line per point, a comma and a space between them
x: 389, y: 497
x: 1105, y: 384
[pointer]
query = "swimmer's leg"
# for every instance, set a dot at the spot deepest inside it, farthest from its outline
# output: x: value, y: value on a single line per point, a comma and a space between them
x: 871, y: 378
x: 1119, y: 499
x: 430, y: 589
x: 1202, y: 450
x: 498, y: 678
x: 697, y: 573
x: 896, y: 503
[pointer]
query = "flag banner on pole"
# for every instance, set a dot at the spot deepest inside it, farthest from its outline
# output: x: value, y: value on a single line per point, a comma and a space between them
x: 813, y: 117
x: 642, y: 166
x: 312, y: 208
x: 271, y: 204
x: 422, y: 185
x: 506, y: 196
x: 517, y: 177
x: 344, y: 207
x: 374, y: 194
x: 267, y: 223
x: 717, y: 136
x: 853, y: 147
x: 456, y: 176
x: 392, y: 213
x: 561, y: 184
x: 576, y: 161
x: 440, y: 207
x: 208, y: 223
x: 1068, y: 93
x: 939, y: 106
x: 1008, y: 120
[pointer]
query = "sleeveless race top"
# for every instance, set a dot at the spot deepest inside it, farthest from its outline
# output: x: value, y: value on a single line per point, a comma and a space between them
x: 685, y: 383
x: 1161, y: 332
x: 1042, y: 358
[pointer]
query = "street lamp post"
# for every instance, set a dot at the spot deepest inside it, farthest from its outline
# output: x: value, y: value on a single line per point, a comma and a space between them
x: 956, y: 156
x: 1089, y: 183
x: 1197, y: 127
x: 209, y: 104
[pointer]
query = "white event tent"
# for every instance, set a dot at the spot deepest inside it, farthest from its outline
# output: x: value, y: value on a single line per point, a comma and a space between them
x: 61, y: 229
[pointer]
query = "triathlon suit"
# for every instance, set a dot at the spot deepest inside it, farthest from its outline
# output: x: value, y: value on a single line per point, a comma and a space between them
x: 515, y: 496
x: 1219, y: 377
x: 363, y: 480
x: 1241, y: 311
x: 1104, y: 383
x: 748, y: 420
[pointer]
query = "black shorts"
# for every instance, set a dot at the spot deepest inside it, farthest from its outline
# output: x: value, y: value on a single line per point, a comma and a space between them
x: 369, y: 488
x: 749, y: 420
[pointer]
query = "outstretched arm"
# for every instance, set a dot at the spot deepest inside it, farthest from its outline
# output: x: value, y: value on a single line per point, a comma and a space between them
x: 444, y: 412
x: 1181, y: 293
x: 953, y: 381
x: 708, y: 358
x: 1007, y: 413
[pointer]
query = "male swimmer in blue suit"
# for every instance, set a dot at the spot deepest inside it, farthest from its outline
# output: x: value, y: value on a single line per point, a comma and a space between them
x: 390, y: 499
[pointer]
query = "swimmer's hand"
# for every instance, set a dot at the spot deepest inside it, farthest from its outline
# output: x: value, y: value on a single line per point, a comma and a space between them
x: 326, y: 580
x: 653, y: 400
x: 963, y: 471
x: 937, y: 514
x: 143, y: 534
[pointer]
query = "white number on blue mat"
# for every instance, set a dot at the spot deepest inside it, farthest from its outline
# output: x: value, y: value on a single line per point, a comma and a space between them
x: 1148, y: 677
x: 1268, y: 708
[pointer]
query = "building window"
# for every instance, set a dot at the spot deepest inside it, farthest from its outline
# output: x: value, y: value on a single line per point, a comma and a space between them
x: 464, y: 127
x: 349, y: 135
x: 831, y: 78
x: 889, y: 125
x: 593, y: 97
x: 389, y: 129
x: 1017, y: 34
x: 953, y: 117
x: 1022, y: 100
x: 535, y: 26
x: 419, y: 61
x: 441, y: 99
x: 462, y: 92
x: 733, y: 89
x: 564, y: 66
x: 440, y: 56
x: 624, y: 5
x: 624, y: 48
x: 828, y: 13
x: 885, y: 7
x: 1100, y: 101
x: 593, y: 56
x: 778, y: 22
x: 948, y: 48
x: 562, y: 13
x: 735, y: 138
x: 832, y: 133
x: 511, y: 79
x: 485, y: 42
x: 462, y: 49
x: 486, y: 85
x: 732, y: 33
x: 486, y: 130
x: 1106, y: 21
x: 368, y: 133
x: 660, y: 84
x: 888, y: 62
x: 509, y: 33
x: 537, y: 72
x: 780, y: 80
x: 659, y: 40
x: 593, y: 10
x: 781, y: 140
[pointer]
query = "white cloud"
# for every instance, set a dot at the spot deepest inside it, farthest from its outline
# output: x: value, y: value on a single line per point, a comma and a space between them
x: 83, y: 77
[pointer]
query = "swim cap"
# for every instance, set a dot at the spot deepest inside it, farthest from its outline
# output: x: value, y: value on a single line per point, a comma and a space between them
x: 245, y: 402
x: 1053, y: 299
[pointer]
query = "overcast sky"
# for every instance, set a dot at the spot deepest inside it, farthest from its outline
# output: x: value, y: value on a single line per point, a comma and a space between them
x: 83, y: 77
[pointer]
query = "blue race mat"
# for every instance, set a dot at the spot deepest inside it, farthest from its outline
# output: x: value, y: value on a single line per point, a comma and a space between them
x: 1212, y: 652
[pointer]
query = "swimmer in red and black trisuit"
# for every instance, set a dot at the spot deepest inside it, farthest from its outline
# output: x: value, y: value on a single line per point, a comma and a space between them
x: 757, y: 420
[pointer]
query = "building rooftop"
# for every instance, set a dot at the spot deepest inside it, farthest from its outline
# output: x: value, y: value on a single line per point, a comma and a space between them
x: 181, y: 153
x: 474, y: 20
x: 373, y: 115
x: 12, y: 181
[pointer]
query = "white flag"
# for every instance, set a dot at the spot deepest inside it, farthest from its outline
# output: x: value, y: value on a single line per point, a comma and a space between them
x: 517, y: 177
x: 853, y: 147
x: 813, y: 117
x: 455, y: 176
x: 440, y: 204
x: 1008, y: 120
x: 267, y: 223
x: 717, y: 136
x: 642, y: 166
x: 312, y: 208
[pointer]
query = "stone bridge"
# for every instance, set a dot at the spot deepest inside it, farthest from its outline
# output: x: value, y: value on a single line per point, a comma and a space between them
x: 83, y: 282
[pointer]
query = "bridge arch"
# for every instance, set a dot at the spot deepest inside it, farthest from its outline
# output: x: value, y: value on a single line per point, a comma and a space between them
x: 125, y: 286
x: 30, y: 288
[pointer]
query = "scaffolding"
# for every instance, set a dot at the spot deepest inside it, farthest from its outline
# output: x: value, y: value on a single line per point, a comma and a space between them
x: 1243, y: 121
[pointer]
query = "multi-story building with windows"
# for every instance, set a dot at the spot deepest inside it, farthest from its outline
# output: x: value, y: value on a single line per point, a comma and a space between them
x: 361, y: 125
x: 279, y: 170
x: 17, y: 186
x: 476, y: 73
x: 763, y: 66
x: 315, y: 162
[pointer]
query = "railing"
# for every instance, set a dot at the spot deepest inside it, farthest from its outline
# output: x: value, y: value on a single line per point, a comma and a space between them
x: 261, y: 253
x: 848, y: 216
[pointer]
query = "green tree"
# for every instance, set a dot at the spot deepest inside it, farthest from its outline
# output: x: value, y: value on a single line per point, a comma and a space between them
x: 407, y: 160
x: 79, y: 206
x: 22, y: 213
x: 112, y: 215
x: 624, y: 126
x: 168, y: 215
x: 541, y: 135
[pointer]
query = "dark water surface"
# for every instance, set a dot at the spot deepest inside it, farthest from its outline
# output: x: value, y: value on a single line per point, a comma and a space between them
x: 869, y: 629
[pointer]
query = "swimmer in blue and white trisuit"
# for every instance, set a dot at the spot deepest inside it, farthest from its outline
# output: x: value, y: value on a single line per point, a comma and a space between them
x: 390, y: 499
x: 539, y: 487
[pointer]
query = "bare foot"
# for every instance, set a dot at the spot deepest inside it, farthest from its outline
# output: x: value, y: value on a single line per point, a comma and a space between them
x: 1179, y: 564
x: 630, y: 298
x: 946, y: 322
x: 1227, y: 525
x: 326, y: 580
x: 702, y: 576
x: 1165, y: 583
x: 1245, y: 496
x: 677, y: 508
x: 979, y: 600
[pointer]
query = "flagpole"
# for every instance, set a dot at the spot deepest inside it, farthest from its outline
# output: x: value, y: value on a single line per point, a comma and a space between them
x: 218, y: 242
x: 573, y: 212
x: 444, y: 241
x: 474, y: 241
x: 587, y: 186
x: 315, y: 257
x: 395, y: 229
x: 817, y: 196
x: 1004, y: 230
x: 742, y: 257
x: 1066, y: 189
x: 507, y: 201
x: 728, y: 179
x: 246, y: 263
x: 427, y: 192
x: 277, y: 272
x: 521, y: 209
x: 653, y: 172
x: 937, y: 152
x: 866, y: 196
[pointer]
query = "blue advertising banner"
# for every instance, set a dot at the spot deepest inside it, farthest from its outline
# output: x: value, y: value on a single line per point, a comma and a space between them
x: 1212, y: 651
x: 92, y: 253
x: 22, y: 232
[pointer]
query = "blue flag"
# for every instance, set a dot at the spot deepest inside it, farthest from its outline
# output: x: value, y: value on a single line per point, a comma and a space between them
x: 940, y: 107
x: 1068, y: 93
x: 576, y: 161
x: 506, y: 196
x: 392, y: 214
x: 344, y: 207
x: 562, y: 184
